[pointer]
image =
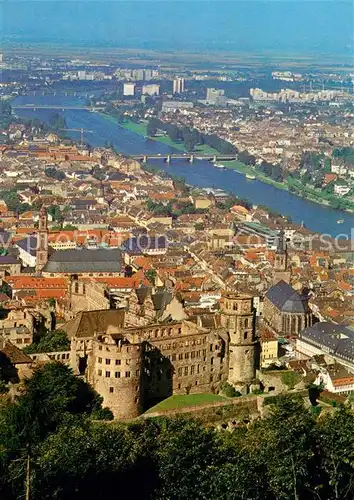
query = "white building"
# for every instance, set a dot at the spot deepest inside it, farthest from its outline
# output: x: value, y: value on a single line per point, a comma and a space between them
x: 129, y: 89
x: 178, y: 86
x: 336, y: 379
x: 341, y: 189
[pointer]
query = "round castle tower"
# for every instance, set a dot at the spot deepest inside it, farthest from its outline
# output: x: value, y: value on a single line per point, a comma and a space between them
x: 238, y: 318
x: 114, y: 370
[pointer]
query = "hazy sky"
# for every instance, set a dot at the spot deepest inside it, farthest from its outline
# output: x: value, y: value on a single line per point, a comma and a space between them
x: 251, y: 25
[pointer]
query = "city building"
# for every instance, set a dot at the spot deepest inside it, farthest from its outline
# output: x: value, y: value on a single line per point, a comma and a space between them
x: 335, y: 341
x: 152, y: 89
x: 172, y: 106
x: 178, y: 85
x: 129, y: 89
x: 216, y: 97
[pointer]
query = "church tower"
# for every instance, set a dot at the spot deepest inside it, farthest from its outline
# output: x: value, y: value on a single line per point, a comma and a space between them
x: 42, y: 240
x: 238, y: 318
x: 281, y: 260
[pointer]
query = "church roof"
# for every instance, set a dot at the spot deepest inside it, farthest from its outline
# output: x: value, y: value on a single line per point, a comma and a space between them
x: 285, y: 298
x: 89, y: 323
x: 85, y: 261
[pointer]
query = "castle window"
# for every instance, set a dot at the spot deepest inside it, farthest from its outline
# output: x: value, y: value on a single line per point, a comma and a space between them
x: 235, y: 307
x: 117, y: 374
x: 76, y: 288
x: 100, y: 348
x: 118, y: 362
x: 99, y: 372
x: 246, y: 323
x: 198, y: 368
x: 173, y: 357
x: 211, y: 348
x: 180, y: 372
x: 127, y: 374
x: 211, y: 361
x: 111, y: 389
x: 137, y: 373
x: 192, y: 370
x: 100, y: 360
x: 186, y: 370
x: 196, y: 382
x: 204, y: 352
x: 186, y: 355
x: 180, y: 356
x: 211, y: 378
x: 245, y: 336
x: 127, y: 361
x: 136, y: 400
x: 193, y: 354
x: 108, y: 361
x: 179, y: 330
x: 179, y: 386
x: 170, y: 331
x: 108, y: 374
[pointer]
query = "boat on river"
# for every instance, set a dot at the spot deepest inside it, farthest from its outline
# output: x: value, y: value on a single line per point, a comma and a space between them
x: 340, y: 221
x: 250, y: 177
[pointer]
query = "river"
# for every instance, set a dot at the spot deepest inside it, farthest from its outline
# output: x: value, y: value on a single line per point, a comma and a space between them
x: 202, y: 173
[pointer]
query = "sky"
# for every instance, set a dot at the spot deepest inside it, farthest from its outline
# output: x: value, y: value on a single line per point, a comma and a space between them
x: 301, y: 26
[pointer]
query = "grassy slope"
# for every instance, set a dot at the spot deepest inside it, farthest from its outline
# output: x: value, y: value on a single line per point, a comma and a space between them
x: 185, y: 400
x: 140, y: 128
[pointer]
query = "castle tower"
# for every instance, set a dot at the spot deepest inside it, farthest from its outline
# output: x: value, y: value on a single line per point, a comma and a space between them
x: 238, y: 318
x: 42, y: 240
x: 281, y: 260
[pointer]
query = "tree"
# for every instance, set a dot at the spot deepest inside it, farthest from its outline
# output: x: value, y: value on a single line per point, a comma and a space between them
x: 184, y: 455
x: 336, y: 451
x: 151, y: 129
x: 49, y: 342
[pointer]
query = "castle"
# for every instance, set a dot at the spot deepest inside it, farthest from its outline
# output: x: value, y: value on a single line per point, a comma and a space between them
x: 134, y: 367
x: 148, y: 350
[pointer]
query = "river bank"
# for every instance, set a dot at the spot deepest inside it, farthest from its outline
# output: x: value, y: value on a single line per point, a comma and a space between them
x: 141, y: 129
x: 290, y: 184
x: 201, y: 173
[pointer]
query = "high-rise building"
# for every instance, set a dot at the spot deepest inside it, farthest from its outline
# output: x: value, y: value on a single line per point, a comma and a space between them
x: 129, y: 89
x: 81, y: 75
x: 139, y: 74
x: 216, y: 97
x: 178, y: 85
x: 148, y: 74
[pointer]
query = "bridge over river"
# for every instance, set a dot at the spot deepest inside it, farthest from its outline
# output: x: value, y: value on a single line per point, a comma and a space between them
x: 63, y: 107
x: 184, y: 156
